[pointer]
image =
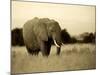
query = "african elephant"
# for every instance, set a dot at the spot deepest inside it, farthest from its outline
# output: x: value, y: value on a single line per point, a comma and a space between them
x: 38, y: 34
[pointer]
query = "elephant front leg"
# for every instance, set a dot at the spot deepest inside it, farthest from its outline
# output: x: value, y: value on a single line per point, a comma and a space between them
x: 58, y: 50
x: 44, y: 49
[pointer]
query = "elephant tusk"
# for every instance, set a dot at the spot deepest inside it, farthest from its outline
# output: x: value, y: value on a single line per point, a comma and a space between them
x: 56, y: 43
x: 62, y: 43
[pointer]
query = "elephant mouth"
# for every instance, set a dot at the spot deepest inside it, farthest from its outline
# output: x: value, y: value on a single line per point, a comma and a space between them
x: 55, y: 42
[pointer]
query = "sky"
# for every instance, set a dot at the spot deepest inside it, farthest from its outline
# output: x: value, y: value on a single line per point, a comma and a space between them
x: 76, y: 19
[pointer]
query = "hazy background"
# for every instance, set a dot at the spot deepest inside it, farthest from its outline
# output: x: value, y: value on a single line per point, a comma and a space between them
x: 75, y: 18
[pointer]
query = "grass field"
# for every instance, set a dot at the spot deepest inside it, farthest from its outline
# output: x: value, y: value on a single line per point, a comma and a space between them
x: 72, y: 57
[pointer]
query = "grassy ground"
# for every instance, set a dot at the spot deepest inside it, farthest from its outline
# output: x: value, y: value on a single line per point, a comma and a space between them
x: 72, y: 57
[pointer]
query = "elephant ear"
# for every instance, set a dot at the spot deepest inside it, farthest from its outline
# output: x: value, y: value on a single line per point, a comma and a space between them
x: 41, y: 31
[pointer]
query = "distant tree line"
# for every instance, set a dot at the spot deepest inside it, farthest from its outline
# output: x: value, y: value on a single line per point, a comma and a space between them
x: 82, y: 38
x: 88, y: 37
x: 17, y: 37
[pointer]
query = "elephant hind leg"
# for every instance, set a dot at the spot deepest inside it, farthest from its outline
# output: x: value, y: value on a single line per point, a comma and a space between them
x: 36, y: 52
x: 29, y: 51
x: 33, y: 52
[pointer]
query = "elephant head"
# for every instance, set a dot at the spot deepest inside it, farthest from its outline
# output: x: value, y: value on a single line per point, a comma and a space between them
x: 39, y: 33
x: 55, y: 33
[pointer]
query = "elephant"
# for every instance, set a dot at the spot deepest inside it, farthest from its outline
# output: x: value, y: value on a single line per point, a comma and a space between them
x: 38, y: 34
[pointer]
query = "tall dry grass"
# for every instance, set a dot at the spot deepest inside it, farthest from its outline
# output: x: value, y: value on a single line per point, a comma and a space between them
x: 72, y: 57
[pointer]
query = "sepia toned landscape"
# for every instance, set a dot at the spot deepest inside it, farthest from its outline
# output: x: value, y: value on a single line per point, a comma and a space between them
x: 48, y: 37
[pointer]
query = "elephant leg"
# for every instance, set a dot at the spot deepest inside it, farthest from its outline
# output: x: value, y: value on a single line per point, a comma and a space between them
x: 36, y: 52
x: 42, y: 47
x: 33, y: 52
x: 58, y: 50
x: 48, y: 49
x: 48, y: 46
x: 30, y: 51
x: 45, y: 48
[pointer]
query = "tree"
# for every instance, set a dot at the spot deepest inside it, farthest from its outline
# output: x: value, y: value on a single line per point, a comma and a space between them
x: 66, y: 38
x: 17, y: 37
